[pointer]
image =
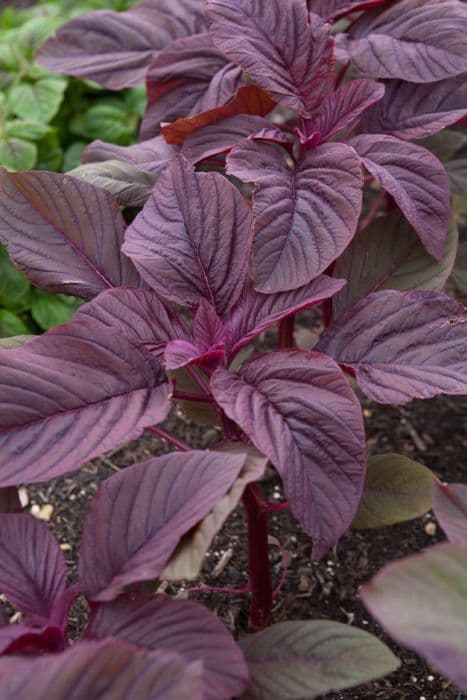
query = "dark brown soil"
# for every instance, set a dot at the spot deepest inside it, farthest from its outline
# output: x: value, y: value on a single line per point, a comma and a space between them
x: 430, y: 431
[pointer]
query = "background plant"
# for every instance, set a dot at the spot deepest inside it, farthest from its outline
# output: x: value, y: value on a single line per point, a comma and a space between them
x: 328, y: 203
x: 45, y: 122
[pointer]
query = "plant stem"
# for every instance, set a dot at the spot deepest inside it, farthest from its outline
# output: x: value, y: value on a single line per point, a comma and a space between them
x: 189, y: 396
x: 199, y: 380
x: 258, y: 559
x: 286, y: 328
x: 373, y: 210
x: 271, y: 507
x: 170, y: 439
x: 341, y: 75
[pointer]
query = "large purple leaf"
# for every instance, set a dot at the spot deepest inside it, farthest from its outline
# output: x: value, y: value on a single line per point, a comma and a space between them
x: 285, y: 51
x: 298, y: 659
x: 33, y: 572
x: 254, y: 311
x: 450, y: 509
x: 63, y: 233
x: 420, y: 41
x: 193, y: 237
x: 221, y: 137
x: 402, y: 345
x: 388, y: 254
x: 421, y: 601
x: 138, y: 315
x: 184, y: 627
x: 414, y: 111
x: 417, y: 181
x: 115, y: 48
x: 139, y: 515
x: 110, y: 669
x: 151, y: 156
x: 249, y: 99
x: 189, y: 76
x: 189, y: 557
x: 343, y: 106
x: 334, y: 9
x: 304, y: 218
x: 72, y: 394
x: 297, y: 408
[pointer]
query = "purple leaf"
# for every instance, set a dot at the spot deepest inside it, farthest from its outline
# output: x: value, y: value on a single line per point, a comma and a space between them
x: 450, y: 509
x: 343, y: 106
x: 139, y: 515
x: 151, y: 156
x: 333, y: 10
x: 421, y: 601
x: 189, y: 557
x: 72, y: 394
x: 188, y: 77
x: 193, y: 237
x: 33, y: 572
x: 9, y: 500
x: 180, y: 353
x: 184, y: 627
x: 292, y: 660
x: 208, y: 340
x: 255, y: 312
x: 64, y: 234
x: 414, y: 111
x: 420, y: 41
x: 402, y: 345
x: 115, y: 48
x: 388, y: 254
x: 220, y: 137
x: 138, y: 315
x: 106, y: 670
x: 20, y: 639
x: 284, y: 50
x: 417, y: 181
x: 304, y: 218
x: 208, y: 329
x: 249, y: 99
x: 62, y: 605
x: 297, y: 408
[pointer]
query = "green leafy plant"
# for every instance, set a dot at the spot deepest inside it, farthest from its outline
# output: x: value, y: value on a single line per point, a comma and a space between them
x: 45, y: 122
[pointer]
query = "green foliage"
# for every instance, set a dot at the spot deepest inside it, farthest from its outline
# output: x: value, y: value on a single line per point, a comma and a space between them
x: 45, y: 122
x: 25, y: 309
x: 47, y: 119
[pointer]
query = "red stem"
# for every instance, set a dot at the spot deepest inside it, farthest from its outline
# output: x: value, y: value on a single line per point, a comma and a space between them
x: 373, y: 210
x: 258, y: 559
x: 198, y: 379
x: 341, y: 75
x: 286, y: 329
x: 170, y: 439
x: 189, y: 396
x: 271, y: 507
